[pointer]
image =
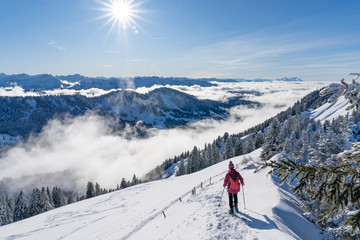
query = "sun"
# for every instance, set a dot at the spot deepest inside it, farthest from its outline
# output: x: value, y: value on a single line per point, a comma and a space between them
x: 121, y: 15
x: 121, y: 11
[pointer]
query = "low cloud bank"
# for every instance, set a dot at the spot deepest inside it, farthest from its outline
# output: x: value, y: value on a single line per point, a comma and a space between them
x: 86, y: 146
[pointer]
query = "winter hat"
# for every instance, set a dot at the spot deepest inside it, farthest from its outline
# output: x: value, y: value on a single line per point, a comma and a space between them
x: 231, y: 165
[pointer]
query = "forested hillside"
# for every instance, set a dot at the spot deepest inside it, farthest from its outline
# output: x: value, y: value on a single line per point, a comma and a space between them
x: 315, y: 157
x: 160, y: 108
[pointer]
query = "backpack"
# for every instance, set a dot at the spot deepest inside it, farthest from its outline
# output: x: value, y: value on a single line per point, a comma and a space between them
x: 234, y: 183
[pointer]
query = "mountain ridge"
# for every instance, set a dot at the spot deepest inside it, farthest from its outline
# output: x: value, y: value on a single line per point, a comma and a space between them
x: 159, y: 108
x: 43, y: 82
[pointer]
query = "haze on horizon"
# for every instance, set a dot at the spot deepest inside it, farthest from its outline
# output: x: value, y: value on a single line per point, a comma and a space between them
x: 312, y: 40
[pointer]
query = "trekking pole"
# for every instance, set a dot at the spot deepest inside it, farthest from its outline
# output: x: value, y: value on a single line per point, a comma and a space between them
x: 243, y: 196
x: 221, y: 196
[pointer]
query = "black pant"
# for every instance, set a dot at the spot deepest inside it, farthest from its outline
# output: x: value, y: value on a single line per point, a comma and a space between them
x: 233, y: 199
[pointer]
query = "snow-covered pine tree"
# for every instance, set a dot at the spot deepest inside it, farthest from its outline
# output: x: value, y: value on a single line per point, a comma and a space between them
x: 259, y: 139
x: 238, y: 147
x: 21, y: 210
x: 193, y: 161
x: 228, y: 148
x: 39, y: 202
x: 123, y: 184
x: 49, y: 197
x: 181, y: 170
x: 204, y: 158
x: 288, y: 147
x: 90, y: 190
x: 272, y: 143
x: 11, y: 205
x: 215, y: 154
x: 335, y: 184
x: 249, y: 145
x: 98, y: 191
x: 5, y: 213
x: 58, y: 197
x: 134, y: 180
x: 34, y: 206
x: 45, y: 201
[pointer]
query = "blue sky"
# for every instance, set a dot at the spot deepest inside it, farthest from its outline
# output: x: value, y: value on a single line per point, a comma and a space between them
x: 313, y: 40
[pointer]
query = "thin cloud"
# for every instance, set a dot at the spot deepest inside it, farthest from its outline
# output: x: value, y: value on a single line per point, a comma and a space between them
x: 138, y: 60
x: 56, y: 45
x: 113, y: 52
x: 267, y: 53
x: 158, y: 38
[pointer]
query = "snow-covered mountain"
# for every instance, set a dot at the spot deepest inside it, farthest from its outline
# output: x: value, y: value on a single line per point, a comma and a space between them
x: 166, y: 209
x: 50, y: 82
x: 160, y: 108
x: 43, y: 82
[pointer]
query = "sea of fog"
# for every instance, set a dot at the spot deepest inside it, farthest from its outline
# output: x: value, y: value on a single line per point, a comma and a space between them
x: 85, y: 146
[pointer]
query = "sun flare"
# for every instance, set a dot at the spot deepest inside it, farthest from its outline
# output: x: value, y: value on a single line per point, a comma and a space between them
x: 121, y: 11
x: 121, y: 15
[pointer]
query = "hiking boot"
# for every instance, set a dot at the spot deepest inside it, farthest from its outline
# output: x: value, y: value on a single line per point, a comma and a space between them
x: 236, y: 209
x: 231, y: 211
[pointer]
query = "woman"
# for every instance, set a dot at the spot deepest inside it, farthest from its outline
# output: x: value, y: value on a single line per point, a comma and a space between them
x: 232, y: 179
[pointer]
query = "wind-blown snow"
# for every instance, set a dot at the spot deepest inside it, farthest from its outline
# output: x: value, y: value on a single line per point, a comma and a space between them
x: 136, y: 212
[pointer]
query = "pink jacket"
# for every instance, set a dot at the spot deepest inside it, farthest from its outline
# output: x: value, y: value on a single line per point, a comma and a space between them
x: 227, y: 180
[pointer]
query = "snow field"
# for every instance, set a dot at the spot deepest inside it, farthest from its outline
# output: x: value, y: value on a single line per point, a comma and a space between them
x: 136, y: 212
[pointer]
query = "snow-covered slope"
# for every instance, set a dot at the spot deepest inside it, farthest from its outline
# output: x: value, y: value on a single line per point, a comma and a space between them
x: 329, y: 111
x: 137, y: 212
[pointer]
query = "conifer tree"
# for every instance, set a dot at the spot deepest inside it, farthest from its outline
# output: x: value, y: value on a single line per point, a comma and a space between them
x: 58, y: 197
x: 249, y: 145
x: 21, y: 210
x: 215, y: 154
x: 5, y: 213
x: 259, y: 140
x: 123, y: 184
x: 35, y: 205
x: 98, y: 191
x: 11, y: 204
x: 194, y: 161
x: 90, y: 190
x: 134, y: 181
x: 228, y: 148
x: 239, y: 147
x: 335, y: 184
x: 49, y: 197
x: 181, y: 170
x: 272, y: 142
x: 45, y: 202
x: 204, y: 161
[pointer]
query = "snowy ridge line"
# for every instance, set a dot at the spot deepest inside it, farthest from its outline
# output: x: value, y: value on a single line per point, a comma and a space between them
x: 155, y: 215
